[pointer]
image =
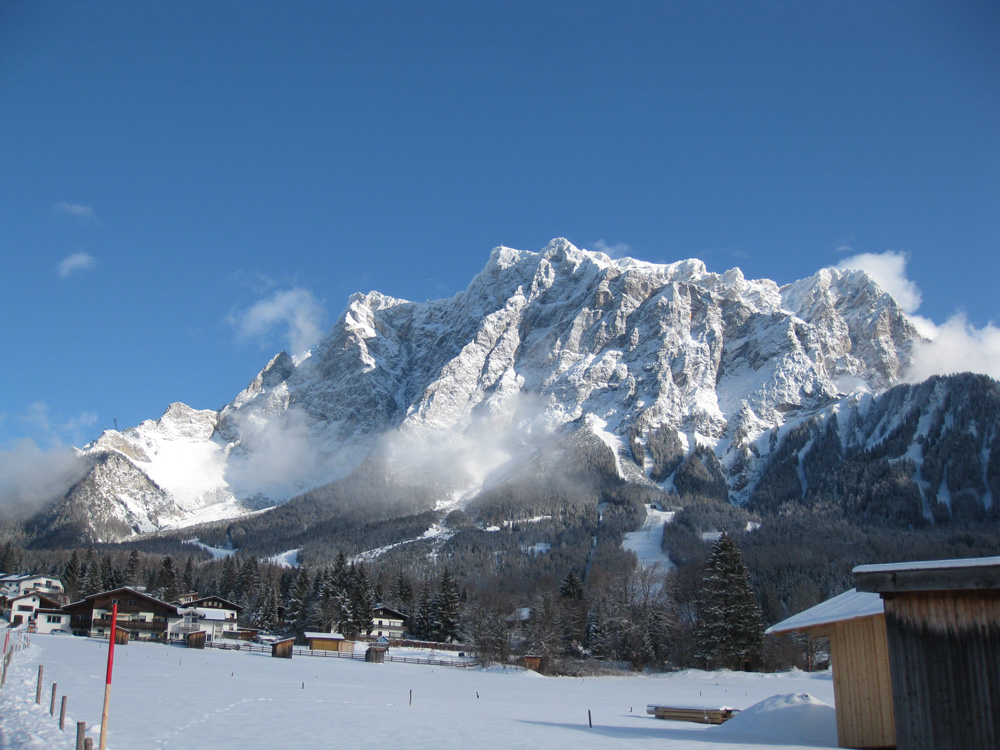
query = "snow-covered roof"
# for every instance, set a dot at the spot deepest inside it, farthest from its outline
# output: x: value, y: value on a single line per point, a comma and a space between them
x: 973, y: 573
x: 850, y: 605
x: 327, y: 636
x: 969, y: 562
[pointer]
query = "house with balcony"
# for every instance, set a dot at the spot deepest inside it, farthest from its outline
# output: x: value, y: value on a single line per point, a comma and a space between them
x: 387, y: 622
x: 213, y: 615
x: 144, y: 616
x: 17, y: 585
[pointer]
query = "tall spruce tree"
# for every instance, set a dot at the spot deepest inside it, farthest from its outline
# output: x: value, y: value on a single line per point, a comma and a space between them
x: 166, y: 580
x: 447, y: 609
x: 71, y: 577
x: 730, y: 632
x: 131, y: 575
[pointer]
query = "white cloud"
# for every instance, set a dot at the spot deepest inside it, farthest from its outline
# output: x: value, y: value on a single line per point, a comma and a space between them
x: 75, y: 210
x: 889, y: 271
x: 956, y: 346
x: 616, y: 250
x: 78, y: 261
x: 293, y: 315
x: 31, y: 477
x: 951, y: 347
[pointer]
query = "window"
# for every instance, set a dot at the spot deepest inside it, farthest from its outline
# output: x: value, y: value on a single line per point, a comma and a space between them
x: 132, y: 601
x: 24, y: 608
x: 116, y: 601
x: 53, y: 618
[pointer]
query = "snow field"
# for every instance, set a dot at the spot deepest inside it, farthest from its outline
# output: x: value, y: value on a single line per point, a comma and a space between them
x: 171, y: 697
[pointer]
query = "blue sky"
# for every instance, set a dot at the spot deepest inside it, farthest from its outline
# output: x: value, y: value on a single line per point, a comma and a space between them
x: 187, y: 188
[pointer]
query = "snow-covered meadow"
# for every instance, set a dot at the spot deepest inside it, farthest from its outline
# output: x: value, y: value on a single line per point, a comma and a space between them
x: 171, y: 697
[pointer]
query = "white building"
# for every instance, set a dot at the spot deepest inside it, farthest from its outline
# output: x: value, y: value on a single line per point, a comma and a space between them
x: 211, y: 614
x: 21, y: 610
x: 387, y: 622
x: 16, y: 585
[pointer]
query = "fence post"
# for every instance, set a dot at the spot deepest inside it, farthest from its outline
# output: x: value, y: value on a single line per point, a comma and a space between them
x: 52, y: 708
x: 81, y: 731
x: 62, y: 715
x: 38, y: 691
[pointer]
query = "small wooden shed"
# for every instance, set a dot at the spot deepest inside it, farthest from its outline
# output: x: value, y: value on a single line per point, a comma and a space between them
x: 195, y: 639
x: 376, y: 652
x: 282, y: 649
x: 943, y: 625
x: 855, y: 624
x: 121, y: 637
x: 329, y: 642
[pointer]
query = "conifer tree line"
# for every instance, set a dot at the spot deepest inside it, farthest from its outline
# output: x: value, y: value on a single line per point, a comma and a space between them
x: 703, y: 615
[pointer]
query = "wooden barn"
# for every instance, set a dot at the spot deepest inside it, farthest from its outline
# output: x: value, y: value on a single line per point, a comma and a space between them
x: 943, y: 626
x: 329, y: 642
x: 282, y: 649
x: 195, y: 639
x: 855, y: 624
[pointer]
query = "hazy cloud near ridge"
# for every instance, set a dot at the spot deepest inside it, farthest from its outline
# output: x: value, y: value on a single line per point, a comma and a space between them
x: 889, y: 270
x: 78, y: 261
x: 617, y: 250
x: 293, y: 315
x: 950, y: 347
x: 31, y: 477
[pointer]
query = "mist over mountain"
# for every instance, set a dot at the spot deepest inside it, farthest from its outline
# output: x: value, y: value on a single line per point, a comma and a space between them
x: 560, y: 373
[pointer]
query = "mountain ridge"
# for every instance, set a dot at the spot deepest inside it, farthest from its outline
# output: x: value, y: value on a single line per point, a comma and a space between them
x: 537, y: 341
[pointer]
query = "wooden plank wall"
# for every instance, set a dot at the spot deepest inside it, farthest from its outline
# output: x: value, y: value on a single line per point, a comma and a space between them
x: 944, y: 648
x: 861, y: 683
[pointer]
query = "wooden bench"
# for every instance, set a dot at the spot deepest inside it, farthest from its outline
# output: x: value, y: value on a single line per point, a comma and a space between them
x: 697, y: 714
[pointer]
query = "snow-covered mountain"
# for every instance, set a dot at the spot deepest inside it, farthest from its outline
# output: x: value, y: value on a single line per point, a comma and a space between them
x: 457, y: 391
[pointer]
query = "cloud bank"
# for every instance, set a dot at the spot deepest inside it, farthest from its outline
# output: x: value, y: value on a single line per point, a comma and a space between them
x: 78, y: 261
x: 291, y: 315
x: 950, y: 347
x: 31, y: 478
x: 889, y: 271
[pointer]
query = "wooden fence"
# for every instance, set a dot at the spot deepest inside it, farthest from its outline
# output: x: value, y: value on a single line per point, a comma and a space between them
x: 359, y: 656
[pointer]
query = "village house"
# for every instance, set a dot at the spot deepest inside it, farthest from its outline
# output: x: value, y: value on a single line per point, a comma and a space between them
x: 213, y: 615
x: 388, y: 622
x: 22, y: 609
x: 145, y: 617
x: 16, y: 585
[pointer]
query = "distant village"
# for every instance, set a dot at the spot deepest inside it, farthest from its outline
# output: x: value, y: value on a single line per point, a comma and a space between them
x: 40, y: 603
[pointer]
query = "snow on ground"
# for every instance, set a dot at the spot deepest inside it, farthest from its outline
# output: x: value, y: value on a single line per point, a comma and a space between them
x: 217, y: 553
x: 171, y: 697
x: 287, y: 559
x: 647, y: 541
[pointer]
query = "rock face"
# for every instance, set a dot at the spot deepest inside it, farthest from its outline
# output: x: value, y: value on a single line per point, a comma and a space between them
x: 651, y: 358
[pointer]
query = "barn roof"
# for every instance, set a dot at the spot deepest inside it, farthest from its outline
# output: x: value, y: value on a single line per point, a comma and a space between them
x: 930, y: 575
x: 851, y: 605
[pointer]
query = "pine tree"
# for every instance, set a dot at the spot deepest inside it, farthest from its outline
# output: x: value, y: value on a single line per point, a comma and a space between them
x: 71, y: 577
x: 402, y: 594
x: 166, y: 580
x: 131, y: 575
x: 108, y: 577
x: 447, y: 609
x: 730, y: 633
x: 575, y: 610
x: 423, y: 623
x: 361, y: 598
x: 91, y: 575
x: 187, y: 579
x: 247, y: 581
x: 297, y: 611
x: 226, y: 585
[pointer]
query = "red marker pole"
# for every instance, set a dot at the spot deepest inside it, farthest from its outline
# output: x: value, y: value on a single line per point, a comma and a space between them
x: 107, y: 685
